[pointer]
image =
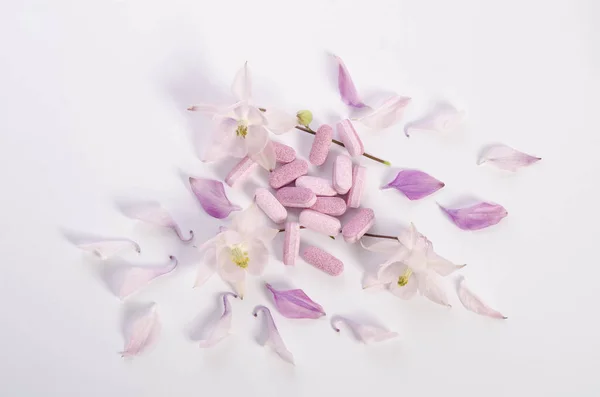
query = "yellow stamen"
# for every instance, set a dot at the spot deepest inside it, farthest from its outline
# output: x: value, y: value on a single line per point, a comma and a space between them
x: 403, y: 280
x: 242, y: 129
x: 240, y: 257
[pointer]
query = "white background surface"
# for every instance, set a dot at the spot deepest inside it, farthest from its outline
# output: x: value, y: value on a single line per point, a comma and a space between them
x: 93, y: 97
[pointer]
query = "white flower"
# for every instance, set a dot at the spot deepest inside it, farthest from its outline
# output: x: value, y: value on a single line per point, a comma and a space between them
x: 239, y: 249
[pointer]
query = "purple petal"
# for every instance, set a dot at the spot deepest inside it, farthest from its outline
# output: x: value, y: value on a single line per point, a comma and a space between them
x: 506, y: 158
x: 478, y: 216
x: 295, y: 303
x: 346, y: 86
x: 212, y: 198
x: 388, y: 114
x: 415, y: 184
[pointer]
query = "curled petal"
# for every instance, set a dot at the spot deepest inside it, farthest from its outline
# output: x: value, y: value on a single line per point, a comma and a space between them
x: 506, y: 158
x: 388, y: 114
x: 364, y: 333
x: 143, y: 331
x: 273, y: 338
x: 295, y: 304
x: 478, y: 216
x: 346, y: 86
x: 242, y: 84
x: 139, y: 276
x: 211, y: 195
x: 473, y: 303
x: 386, y: 246
x: 107, y: 248
x: 430, y: 287
x: 415, y: 184
x: 154, y: 213
x: 205, y: 108
x: 266, y: 158
x: 279, y: 121
x: 221, y: 328
x: 444, y: 118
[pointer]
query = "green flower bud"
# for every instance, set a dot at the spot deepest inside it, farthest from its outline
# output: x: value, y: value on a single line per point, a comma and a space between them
x: 304, y: 117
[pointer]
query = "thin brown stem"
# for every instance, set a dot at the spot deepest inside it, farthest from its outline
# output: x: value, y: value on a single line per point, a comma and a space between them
x: 366, y: 234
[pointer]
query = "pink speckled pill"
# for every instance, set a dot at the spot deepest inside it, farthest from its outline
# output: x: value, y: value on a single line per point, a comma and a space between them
x: 342, y: 174
x: 288, y: 173
x: 350, y: 138
x: 291, y: 243
x: 358, y: 184
x: 270, y: 205
x: 321, y: 145
x: 319, y: 222
x: 322, y: 260
x: 321, y: 186
x: 296, y: 197
x: 241, y: 171
x: 284, y: 153
x: 360, y: 223
x: 334, y: 206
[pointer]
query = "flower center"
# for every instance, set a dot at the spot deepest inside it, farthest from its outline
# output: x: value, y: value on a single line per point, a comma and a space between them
x: 239, y: 257
x: 242, y: 128
x: 403, y: 279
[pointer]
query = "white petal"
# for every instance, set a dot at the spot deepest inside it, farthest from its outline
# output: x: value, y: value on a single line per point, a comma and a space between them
x: 256, y: 140
x: 247, y: 221
x: 445, y: 118
x: 242, y: 84
x: 386, y: 246
x: 407, y: 291
x: 390, y: 272
x: 107, y: 248
x: 430, y: 286
x: 473, y: 303
x: 388, y: 114
x: 266, y: 158
x: 226, y: 142
x: 221, y: 328
x: 205, y: 108
x: 259, y: 256
x: 371, y: 282
x: 365, y: 333
x: 506, y: 158
x: 279, y: 122
x: 139, y: 276
x: 207, y: 268
x: 274, y: 340
x: 441, y: 265
x: 154, y: 213
x: 143, y: 332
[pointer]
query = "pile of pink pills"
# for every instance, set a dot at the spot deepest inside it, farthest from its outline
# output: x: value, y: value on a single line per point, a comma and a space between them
x: 320, y: 200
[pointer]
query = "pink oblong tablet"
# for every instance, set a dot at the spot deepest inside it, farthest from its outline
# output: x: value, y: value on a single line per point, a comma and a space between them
x: 359, y: 174
x: 270, y: 205
x: 284, y: 153
x: 319, y: 222
x: 291, y: 243
x: 342, y: 174
x: 296, y: 197
x: 358, y: 225
x: 288, y: 173
x: 334, y: 206
x: 323, y: 260
x: 350, y: 138
x: 241, y: 171
x: 321, y: 145
x: 321, y: 186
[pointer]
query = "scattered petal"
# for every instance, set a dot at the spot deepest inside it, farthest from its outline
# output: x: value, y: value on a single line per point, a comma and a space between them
x: 139, y: 276
x: 444, y: 118
x: 388, y: 114
x: 478, y: 216
x: 154, y: 213
x: 295, y: 304
x: 274, y: 339
x: 107, y: 248
x: 506, y: 158
x: 364, y: 333
x: 473, y: 303
x: 430, y: 287
x: 278, y: 121
x: 242, y: 84
x: 143, y: 331
x: 346, y: 86
x: 211, y: 195
x: 221, y: 328
x: 415, y: 184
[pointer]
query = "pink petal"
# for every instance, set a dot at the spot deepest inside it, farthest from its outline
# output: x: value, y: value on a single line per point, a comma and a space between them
x: 266, y: 158
x: 143, y: 331
x: 107, y: 248
x: 154, y: 213
x: 478, y: 216
x: 473, y: 303
x: 273, y: 338
x: 444, y: 118
x: 506, y: 158
x: 295, y: 304
x: 242, y: 84
x: 211, y: 195
x: 388, y: 114
x: 220, y: 330
x: 430, y: 287
x: 415, y: 184
x: 346, y: 86
x: 139, y: 276
x: 364, y: 333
